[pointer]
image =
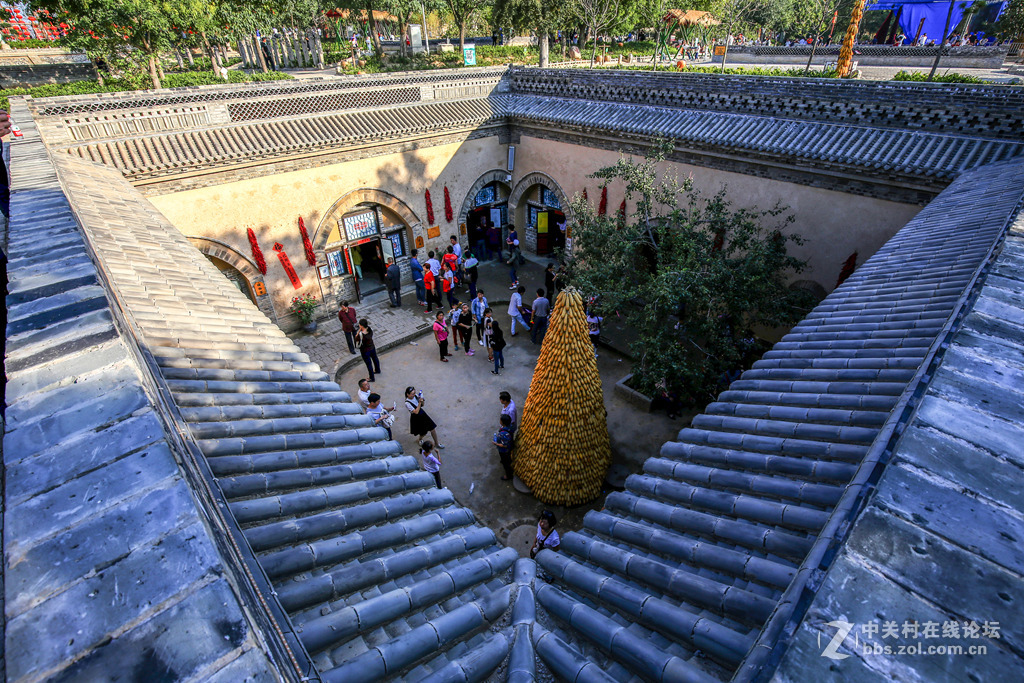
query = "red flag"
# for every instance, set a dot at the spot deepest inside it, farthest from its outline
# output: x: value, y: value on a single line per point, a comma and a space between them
x: 257, y: 253
x: 306, y: 244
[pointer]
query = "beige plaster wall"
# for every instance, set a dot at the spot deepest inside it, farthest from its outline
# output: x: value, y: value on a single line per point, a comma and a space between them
x: 834, y: 224
x: 271, y: 205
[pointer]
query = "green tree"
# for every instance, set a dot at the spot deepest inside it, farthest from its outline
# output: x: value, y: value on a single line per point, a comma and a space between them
x: 462, y: 12
x: 687, y: 275
x: 1012, y: 20
x: 544, y: 17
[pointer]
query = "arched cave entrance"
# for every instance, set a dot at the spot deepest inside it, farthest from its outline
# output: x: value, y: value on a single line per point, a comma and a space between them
x: 485, y: 213
x: 357, y: 236
x: 541, y: 212
x: 240, y: 271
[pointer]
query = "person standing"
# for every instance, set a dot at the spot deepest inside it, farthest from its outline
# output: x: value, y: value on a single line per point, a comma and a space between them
x: 430, y: 282
x: 431, y: 463
x: 420, y: 423
x: 469, y: 267
x: 433, y: 264
x: 516, y: 310
x: 497, y: 345
x: 464, y: 328
x: 347, y: 316
x: 363, y: 395
x: 357, y: 262
x: 541, y: 308
x: 417, y: 278
x: 503, y: 440
x: 508, y: 407
x: 513, y: 265
x: 478, y: 306
x: 448, y: 283
x: 364, y: 337
x: 549, y: 281
x: 441, y: 335
x: 394, y: 280
x: 594, y: 327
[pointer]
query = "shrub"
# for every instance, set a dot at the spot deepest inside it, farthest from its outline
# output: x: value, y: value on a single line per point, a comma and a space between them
x: 919, y: 77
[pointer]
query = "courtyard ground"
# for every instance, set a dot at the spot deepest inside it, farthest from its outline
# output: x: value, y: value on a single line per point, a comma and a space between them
x: 462, y: 398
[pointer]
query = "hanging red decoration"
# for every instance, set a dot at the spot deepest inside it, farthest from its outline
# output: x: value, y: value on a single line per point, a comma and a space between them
x: 257, y: 253
x: 622, y: 210
x: 585, y: 195
x: 447, y: 205
x: 306, y: 244
x: 848, y: 267
x: 430, y: 209
x: 602, y: 208
x: 289, y: 269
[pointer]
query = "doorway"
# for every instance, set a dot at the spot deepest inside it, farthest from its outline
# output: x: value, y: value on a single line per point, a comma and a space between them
x: 550, y: 230
x: 368, y: 263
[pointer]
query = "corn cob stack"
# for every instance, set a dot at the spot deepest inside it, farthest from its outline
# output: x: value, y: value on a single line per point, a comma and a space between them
x: 562, y: 450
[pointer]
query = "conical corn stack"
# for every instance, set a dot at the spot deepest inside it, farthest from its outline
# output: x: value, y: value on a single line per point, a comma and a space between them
x: 562, y: 449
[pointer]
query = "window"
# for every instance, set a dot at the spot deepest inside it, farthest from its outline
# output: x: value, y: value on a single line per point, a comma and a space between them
x: 549, y: 198
x: 397, y: 243
x: 360, y: 225
x: 487, y: 195
x: 337, y: 263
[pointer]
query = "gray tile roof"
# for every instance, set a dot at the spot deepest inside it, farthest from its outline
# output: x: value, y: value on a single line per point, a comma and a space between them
x: 109, y: 567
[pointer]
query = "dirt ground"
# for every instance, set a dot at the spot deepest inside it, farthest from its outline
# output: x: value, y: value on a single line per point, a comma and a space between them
x: 462, y: 398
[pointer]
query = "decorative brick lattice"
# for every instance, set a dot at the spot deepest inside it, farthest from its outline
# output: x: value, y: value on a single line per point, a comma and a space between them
x: 297, y: 106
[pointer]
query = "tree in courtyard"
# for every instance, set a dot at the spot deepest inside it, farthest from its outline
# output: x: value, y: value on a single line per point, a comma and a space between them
x: 1011, y: 21
x: 821, y: 12
x: 462, y: 12
x: 562, y: 449
x: 541, y: 16
x: 597, y: 16
x: 687, y: 277
x: 733, y: 13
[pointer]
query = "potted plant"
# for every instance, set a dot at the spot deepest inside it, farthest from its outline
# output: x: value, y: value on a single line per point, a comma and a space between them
x: 303, y: 308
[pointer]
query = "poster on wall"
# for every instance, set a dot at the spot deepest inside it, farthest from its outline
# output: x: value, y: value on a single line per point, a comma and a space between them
x: 360, y: 225
x: 336, y: 263
x: 396, y: 244
x: 496, y: 218
x: 542, y: 223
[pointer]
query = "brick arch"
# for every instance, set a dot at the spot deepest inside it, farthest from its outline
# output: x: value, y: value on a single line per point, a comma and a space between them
x: 244, y: 265
x: 538, y: 178
x: 361, y: 196
x: 486, y: 179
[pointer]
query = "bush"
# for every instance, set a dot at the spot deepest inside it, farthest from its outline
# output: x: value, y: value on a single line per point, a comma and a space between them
x: 919, y: 77
x: 30, y: 43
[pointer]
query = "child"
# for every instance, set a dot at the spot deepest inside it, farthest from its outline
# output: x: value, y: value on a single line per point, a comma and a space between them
x: 431, y: 463
x: 381, y: 417
x: 503, y: 440
x: 453, y: 320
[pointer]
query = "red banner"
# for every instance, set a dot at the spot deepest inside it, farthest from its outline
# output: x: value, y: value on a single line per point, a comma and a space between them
x: 288, y: 267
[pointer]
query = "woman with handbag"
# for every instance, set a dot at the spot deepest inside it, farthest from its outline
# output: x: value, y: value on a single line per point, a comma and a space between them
x: 420, y: 423
x: 381, y: 416
x: 547, y: 537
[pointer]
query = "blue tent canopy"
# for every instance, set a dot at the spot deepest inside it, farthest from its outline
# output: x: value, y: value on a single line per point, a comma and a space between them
x: 932, y: 11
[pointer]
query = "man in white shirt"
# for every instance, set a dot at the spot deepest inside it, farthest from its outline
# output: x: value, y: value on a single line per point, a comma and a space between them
x: 433, y: 264
x: 515, y: 310
x: 363, y: 397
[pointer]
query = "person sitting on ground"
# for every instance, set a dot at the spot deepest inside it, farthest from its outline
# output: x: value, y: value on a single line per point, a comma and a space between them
x: 547, y: 537
x: 381, y: 416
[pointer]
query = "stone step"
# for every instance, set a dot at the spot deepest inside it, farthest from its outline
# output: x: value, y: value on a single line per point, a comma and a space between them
x: 755, y: 537
x: 281, y: 461
x: 393, y: 656
x: 810, y: 431
x: 329, y: 586
x: 232, y: 375
x: 245, y: 485
x: 267, y: 411
x: 822, y: 495
x: 347, y: 546
x: 339, y: 522
x: 697, y: 553
x: 799, y: 518
x: 186, y: 398
x: 327, y: 498
x: 808, y: 469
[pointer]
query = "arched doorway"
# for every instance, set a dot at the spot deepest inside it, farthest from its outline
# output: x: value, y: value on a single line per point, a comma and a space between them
x: 541, y: 211
x: 357, y: 236
x: 485, y: 213
x: 239, y: 270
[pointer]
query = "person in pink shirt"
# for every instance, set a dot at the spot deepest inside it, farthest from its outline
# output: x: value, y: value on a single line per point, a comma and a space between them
x: 441, y: 335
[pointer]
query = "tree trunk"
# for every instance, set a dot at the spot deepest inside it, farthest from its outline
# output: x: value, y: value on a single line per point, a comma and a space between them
x: 261, y: 58
x: 942, y: 42
x: 542, y: 45
x: 152, y: 71
x: 224, y: 53
x: 159, y: 68
x: 188, y: 56
x: 814, y: 46
x: 403, y: 31
x: 372, y: 24
x: 593, y: 53
x: 462, y: 36
x: 209, y: 50
x: 177, y: 56
x: 99, y: 74
x: 725, y: 55
x: 657, y: 49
